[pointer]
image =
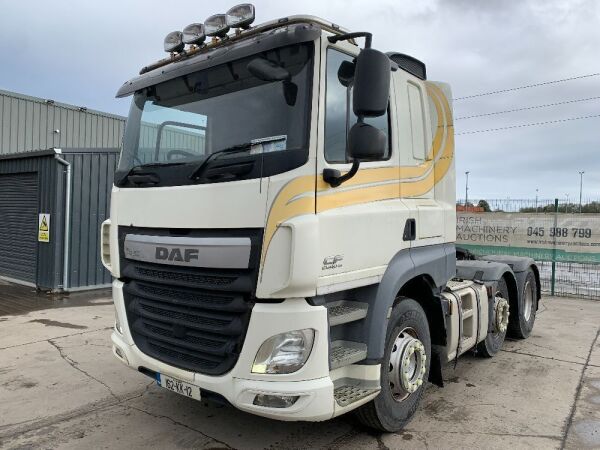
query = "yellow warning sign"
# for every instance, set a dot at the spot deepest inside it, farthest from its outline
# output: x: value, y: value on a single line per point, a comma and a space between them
x: 44, y: 227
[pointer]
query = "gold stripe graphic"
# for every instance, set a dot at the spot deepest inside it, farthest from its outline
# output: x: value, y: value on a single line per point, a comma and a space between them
x: 298, y: 196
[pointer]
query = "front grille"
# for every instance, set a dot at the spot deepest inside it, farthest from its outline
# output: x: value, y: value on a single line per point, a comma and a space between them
x: 189, y: 317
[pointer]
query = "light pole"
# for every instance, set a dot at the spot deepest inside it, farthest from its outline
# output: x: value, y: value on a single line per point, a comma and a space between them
x: 580, y: 189
x: 467, y: 191
x: 567, y: 205
x: 536, y: 200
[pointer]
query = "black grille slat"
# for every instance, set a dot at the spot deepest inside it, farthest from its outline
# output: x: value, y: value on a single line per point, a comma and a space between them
x: 189, y: 317
x: 193, y: 342
x: 187, y: 277
x: 193, y: 298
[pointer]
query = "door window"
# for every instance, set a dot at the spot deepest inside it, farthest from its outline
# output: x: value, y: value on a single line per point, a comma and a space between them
x: 339, y: 116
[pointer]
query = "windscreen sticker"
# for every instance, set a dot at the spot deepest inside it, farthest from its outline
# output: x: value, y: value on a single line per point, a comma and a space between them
x: 269, y: 144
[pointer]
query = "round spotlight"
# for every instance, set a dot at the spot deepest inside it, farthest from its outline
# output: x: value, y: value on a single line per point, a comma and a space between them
x: 174, y: 42
x: 194, y: 34
x: 216, y: 26
x: 240, y: 16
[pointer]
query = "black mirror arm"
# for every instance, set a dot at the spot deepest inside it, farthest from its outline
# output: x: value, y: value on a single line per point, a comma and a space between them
x: 344, y: 37
x: 335, y: 178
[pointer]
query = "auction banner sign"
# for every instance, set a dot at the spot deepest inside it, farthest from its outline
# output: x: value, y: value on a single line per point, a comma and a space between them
x: 543, y: 237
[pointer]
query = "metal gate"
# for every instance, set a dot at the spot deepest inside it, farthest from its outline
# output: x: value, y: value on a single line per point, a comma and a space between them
x: 18, y: 226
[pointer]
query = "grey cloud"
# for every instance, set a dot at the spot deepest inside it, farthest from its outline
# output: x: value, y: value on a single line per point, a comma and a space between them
x: 83, y: 51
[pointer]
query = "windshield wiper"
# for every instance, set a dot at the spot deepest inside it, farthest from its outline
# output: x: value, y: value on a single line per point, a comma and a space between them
x: 135, y: 170
x: 233, y: 149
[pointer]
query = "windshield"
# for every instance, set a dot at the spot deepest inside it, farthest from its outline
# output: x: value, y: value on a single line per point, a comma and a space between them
x: 175, y: 126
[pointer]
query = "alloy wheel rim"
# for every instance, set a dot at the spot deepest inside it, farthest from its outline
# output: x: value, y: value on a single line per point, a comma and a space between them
x: 407, y: 366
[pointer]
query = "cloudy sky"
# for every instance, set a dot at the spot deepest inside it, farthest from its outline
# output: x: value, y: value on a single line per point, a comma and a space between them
x: 80, y: 52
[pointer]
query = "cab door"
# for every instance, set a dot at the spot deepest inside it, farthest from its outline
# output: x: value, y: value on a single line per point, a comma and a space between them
x: 417, y: 157
x: 361, y: 221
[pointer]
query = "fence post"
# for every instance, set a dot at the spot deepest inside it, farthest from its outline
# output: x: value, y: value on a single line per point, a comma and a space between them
x: 553, y: 279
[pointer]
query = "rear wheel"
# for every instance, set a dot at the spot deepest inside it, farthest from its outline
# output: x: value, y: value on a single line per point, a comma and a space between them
x: 404, y: 369
x: 500, y: 313
x: 521, y: 327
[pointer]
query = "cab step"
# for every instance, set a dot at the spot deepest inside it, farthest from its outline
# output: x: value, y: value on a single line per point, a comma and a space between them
x: 348, y: 394
x: 344, y: 353
x: 344, y: 311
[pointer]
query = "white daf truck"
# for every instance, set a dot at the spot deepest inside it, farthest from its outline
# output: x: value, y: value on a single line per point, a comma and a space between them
x: 283, y: 222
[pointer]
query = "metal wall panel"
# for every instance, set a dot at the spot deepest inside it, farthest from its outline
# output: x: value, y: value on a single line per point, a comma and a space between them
x: 29, y: 123
x: 92, y: 172
x: 18, y: 226
x: 92, y: 180
x: 50, y: 199
x: 171, y: 139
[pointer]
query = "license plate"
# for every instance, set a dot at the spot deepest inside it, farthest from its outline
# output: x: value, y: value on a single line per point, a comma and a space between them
x: 178, y: 386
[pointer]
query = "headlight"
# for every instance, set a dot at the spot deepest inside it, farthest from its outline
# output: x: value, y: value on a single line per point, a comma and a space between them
x: 285, y: 352
x: 174, y: 42
x: 240, y: 16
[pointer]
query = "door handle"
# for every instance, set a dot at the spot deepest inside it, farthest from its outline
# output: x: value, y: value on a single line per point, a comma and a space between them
x: 410, y: 230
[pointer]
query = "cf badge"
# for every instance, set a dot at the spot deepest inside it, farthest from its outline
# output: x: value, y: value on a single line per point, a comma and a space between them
x: 332, y: 262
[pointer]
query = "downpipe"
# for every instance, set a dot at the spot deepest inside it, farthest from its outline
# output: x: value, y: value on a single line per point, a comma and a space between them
x: 67, y: 230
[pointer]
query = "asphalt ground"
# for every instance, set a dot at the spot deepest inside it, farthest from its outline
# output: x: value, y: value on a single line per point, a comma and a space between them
x: 61, y: 387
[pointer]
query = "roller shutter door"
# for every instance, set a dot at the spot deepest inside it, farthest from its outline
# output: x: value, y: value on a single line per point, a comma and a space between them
x: 18, y: 226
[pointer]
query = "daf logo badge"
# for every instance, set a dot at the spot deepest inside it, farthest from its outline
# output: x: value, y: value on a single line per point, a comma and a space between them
x: 176, y: 254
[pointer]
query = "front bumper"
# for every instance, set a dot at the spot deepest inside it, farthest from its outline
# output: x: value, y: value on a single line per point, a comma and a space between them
x: 312, y: 383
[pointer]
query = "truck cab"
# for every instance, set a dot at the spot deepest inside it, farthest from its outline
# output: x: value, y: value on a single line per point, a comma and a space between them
x: 282, y: 226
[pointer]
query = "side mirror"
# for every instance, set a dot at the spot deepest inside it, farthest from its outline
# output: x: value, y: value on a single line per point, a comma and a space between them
x: 365, y: 142
x: 371, y: 83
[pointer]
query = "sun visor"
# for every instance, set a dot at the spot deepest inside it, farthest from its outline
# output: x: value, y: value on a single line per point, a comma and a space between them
x: 292, y: 34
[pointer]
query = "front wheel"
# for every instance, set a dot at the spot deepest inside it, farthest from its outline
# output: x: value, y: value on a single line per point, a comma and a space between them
x: 404, y: 369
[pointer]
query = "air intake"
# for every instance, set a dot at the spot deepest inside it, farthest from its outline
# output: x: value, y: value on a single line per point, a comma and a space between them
x: 410, y: 64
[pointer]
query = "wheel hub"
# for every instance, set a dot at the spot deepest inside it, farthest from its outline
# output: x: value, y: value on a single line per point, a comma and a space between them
x: 408, y: 362
x: 501, y: 314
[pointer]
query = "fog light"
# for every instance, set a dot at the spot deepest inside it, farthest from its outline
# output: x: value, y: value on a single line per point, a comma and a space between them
x: 284, y: 353
x: 120, y: 354
x: 275, y: 401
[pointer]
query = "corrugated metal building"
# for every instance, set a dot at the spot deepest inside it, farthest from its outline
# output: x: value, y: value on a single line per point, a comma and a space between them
x: 30, y: 123
x: 52, y: 203
x: 37, y: 181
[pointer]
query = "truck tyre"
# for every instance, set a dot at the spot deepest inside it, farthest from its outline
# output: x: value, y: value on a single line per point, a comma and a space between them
x: 404, y: 369
x: 494, y: 340
x: 521, y: 328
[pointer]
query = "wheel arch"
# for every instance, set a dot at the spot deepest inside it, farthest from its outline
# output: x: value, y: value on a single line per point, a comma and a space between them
x: 428, y: 268
x: 422, y: 289
x: 513, y: 292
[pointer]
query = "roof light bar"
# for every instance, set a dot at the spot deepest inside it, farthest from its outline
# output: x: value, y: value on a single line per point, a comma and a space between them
x: 174, y: 42
x: 216, y: 26
x: 194, y: 34
x: 240, y: 16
